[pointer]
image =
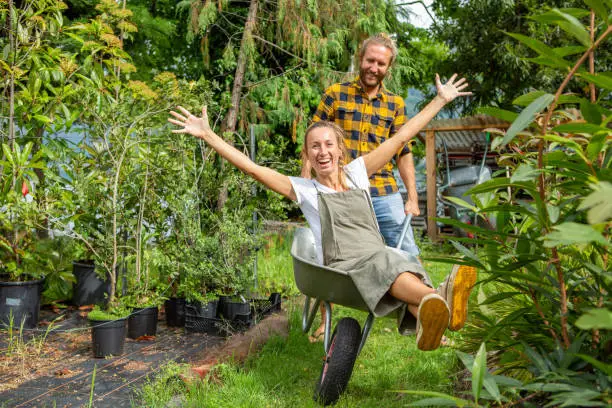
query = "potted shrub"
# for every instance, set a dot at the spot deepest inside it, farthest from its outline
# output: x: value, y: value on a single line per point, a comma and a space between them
x: 21, y: 276
x: 143, y: 298
x: 108, y: 330
x: 144, y: 313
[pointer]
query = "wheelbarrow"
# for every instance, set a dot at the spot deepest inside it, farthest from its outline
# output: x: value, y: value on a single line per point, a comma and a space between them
x: 328, y: 285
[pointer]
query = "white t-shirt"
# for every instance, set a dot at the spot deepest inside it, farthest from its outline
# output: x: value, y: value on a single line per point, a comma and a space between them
x: 306, y: 194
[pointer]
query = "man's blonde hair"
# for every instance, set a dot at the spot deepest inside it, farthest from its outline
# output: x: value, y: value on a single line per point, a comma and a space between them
x: 379, y: 39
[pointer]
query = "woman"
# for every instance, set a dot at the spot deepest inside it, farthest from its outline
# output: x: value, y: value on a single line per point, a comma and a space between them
x: 337, y: 206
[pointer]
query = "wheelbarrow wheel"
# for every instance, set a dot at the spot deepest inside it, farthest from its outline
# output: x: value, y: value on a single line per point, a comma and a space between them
x: 339, y: 361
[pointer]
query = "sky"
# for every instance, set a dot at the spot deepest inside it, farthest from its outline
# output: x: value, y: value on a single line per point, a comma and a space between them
x: 420, y: 18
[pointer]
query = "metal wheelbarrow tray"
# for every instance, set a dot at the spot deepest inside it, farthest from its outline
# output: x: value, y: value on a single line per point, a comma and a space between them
x: 330, y: 285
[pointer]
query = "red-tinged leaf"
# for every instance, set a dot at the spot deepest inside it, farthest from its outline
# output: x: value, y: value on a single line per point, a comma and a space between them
x: 63, y: 372
x: 24, y: 189
x: 145, y: 338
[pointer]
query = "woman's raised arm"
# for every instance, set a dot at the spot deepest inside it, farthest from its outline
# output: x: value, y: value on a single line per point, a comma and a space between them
x: 200, y: 128
x: 380, y: 156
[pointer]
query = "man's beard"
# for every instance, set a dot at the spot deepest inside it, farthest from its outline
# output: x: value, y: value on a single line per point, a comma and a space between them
x: 368, y: 81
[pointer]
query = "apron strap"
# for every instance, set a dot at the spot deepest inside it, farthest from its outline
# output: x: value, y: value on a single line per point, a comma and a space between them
x: 348, y: 175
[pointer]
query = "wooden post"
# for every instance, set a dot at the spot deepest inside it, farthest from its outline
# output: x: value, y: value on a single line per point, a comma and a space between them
x: 430, y: 159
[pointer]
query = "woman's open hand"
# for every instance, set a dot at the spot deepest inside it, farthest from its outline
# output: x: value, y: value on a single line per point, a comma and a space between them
x: 191, y: 124
x: 452, y: 89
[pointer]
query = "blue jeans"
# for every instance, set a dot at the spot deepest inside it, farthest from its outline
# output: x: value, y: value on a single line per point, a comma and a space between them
x: 390, y: 215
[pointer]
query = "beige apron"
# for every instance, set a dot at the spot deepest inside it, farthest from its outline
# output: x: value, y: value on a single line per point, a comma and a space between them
x: 352, y: 242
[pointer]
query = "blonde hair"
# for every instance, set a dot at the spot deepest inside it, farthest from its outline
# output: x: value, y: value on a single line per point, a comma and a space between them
x: 379, y: 39
x: 339, y: 133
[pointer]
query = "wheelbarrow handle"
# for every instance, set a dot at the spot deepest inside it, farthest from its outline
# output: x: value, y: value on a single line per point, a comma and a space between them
x: 405, y: 227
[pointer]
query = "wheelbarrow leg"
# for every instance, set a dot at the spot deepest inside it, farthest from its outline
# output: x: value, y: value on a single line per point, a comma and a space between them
x: 367, y: 326
x: 328, y: 318
x: 309, y: 314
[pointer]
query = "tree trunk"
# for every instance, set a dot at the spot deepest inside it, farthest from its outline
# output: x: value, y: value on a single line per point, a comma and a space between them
x: 229, y: 125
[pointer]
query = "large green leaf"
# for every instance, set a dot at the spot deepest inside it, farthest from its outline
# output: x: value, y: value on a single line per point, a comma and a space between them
x: 571, y: 233
x: 499, y: 297
x: 567, y: 20
x: 466, y: 252
x: 596, y: 146
x: 547, y: 62
x: 461, y: 203
x: 595, y: 319
x: 491, y: 386
x: 567, y: 142
x: 524, y: 172
x: 573, y: 27
x: 581, y: 128
x: 478, y: 371
x: 606, y: 368
x: 437, y: 402
x: 570, y: 50
x: 525, y: 100
x: 599, y: 7
x: 437, y: 396
x: 502, y: 182
x: 591, y: 112
x: 601, y: 80
x: 549, y: 17
x: 526, y: 117
x: 541, y: 48
x: 502, y: 114
x: 599, y: 203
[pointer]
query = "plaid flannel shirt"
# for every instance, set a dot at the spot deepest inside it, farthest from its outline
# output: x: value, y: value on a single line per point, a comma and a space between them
x: 367, y: 123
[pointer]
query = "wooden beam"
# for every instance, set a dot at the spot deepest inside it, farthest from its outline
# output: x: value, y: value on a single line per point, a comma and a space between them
x: 469, y: 127
x: 430, y: 163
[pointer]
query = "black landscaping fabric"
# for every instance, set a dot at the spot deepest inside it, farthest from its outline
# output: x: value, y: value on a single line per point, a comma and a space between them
x: 117, y: 378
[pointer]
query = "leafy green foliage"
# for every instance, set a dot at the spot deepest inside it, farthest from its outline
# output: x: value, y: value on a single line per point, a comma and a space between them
x: 500, y: 68
x: 115, y: 313
x: 546, y: 261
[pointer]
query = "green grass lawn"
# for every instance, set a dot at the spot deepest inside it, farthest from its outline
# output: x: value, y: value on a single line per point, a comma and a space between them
x: 283, y: 374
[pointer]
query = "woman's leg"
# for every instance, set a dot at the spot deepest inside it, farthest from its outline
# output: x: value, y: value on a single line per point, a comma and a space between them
x: 320, y: 331
x: 409, y: 289
x: 426, y: 305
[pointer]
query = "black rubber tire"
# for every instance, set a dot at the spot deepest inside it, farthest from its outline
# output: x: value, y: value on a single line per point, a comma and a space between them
x: 339, y: 362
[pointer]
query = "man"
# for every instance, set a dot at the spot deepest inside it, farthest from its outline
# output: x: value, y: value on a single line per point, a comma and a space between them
x: 369, y: 115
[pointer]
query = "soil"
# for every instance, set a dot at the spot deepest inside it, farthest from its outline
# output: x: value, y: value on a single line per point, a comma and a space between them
x: 57, y: 371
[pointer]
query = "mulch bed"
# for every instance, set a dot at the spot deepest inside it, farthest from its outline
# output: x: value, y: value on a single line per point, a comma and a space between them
x: 58, y: 372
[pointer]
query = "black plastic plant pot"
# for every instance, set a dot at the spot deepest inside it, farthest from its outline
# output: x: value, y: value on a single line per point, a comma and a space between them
x: 208, y: 309
x: 89, y: 289
x: 229, y: 309
x: 142, y: 322
x: 20, y: 301
x: 108, y: 337
x: 175, y: 312
x: 275, y: 300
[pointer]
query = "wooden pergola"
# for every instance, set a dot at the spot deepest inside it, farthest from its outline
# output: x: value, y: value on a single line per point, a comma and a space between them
x: 463, y: 133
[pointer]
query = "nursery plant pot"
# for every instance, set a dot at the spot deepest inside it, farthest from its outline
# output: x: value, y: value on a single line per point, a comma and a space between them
x: 89, y: 289
x: 208, y: 309
x: 229, y: 307
x: 275, y: 300
x: 108, y: 337
x: 175, y: 312
x: 142, y: 322
x: 201, y: 317
x: 21, y: 300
